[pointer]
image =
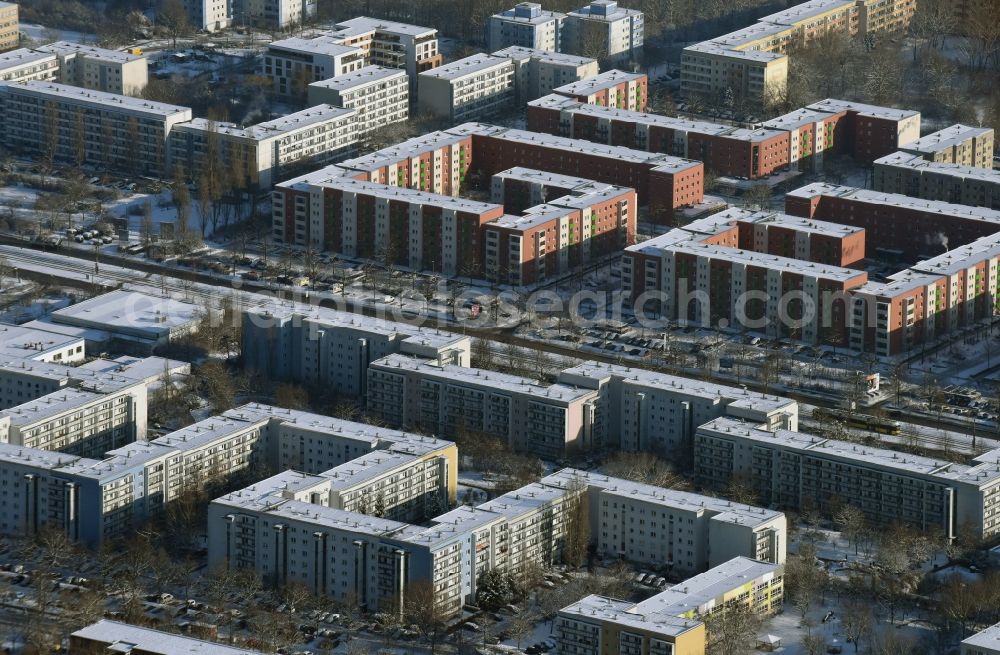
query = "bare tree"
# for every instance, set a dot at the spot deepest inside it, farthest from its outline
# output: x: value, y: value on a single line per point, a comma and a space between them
x: 174, y: 19
x: 732, y: 631
x: 856, y: 622
x: 421, y: 607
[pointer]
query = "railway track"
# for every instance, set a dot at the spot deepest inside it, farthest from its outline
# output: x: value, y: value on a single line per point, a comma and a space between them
x: 205, y: 287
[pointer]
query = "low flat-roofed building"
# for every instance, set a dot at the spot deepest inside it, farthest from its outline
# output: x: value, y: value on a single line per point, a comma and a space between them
x: 26, y: 64
x: 39, y: 344
x: 984, y: 642
x: 134, y: 316
x: 115, y: 637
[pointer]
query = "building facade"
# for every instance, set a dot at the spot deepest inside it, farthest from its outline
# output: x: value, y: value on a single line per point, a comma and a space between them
x: 100, y: 69
x: 669, y: 623
x: 614, y: 88
x: 379, y: 97
x: 753, y: 62
x: 25, y: 64
x: 527, y: 25
x: 538, y: 72
x: 319, y: 346
x: 547, y: 420
x: 793, y: 469
x: 914, y: 176
x: 959, y: 144
x: 293, y: 64
x: 72, y: 124
x: 467, y: 89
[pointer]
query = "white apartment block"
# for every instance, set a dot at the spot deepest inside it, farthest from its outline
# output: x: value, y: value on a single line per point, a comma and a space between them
x: 687, y: 532
x: 669, y: 623
x: 790, y: 469
x: 539, y: 72
x: 316, y: 345
x: 984, y: 642
x: 82, y: 125
x: 604, y: 30
x: 380, y: 96
x: 964, y: 145
x: 526, y: 25
x: 209, y: 15
x: 467, y: 89
x: 293, y: 64
x: 640, y: 410
x: 25, y: 64
x: 100, y: 69
x: 100, y: 499
x: 390, y: 44
x: 546, y: 420
x: 268, y: 151
x: 274, y: 14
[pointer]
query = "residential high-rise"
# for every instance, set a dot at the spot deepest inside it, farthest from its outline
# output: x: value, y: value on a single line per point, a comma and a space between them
x: 547, y: 420
x: 293, y: 64
x: 605, y: 31
x: 526, y: 25
x: 209, y: 15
